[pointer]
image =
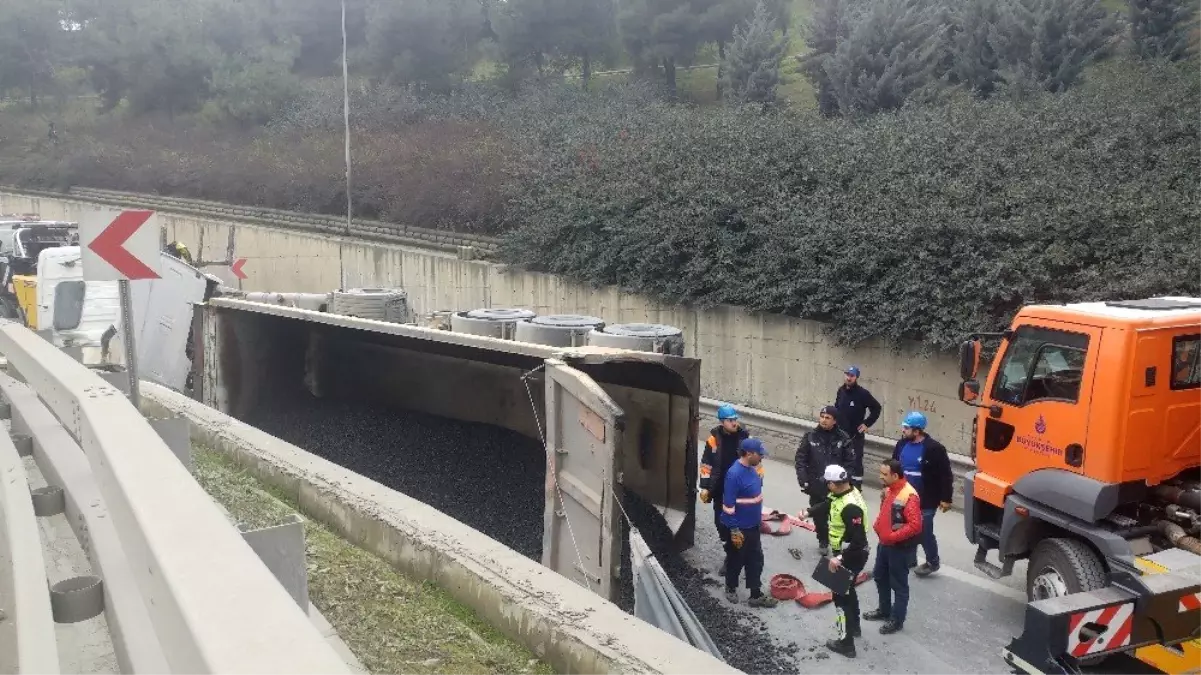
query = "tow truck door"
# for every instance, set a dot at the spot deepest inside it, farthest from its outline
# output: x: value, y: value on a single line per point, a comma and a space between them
x: 582, y: 535
x: 1038, y: 404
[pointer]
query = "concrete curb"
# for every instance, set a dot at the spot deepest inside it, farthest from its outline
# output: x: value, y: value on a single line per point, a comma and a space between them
x: 786, y: 431
x: 568, y: 626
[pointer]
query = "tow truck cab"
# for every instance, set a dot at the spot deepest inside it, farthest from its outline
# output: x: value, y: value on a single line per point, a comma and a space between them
x: 1086, y: 445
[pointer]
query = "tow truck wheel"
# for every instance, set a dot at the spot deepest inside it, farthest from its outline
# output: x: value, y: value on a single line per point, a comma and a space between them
x: 1061, y: 567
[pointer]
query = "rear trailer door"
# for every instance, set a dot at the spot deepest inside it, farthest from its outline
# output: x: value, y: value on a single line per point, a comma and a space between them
x: 582, y: 538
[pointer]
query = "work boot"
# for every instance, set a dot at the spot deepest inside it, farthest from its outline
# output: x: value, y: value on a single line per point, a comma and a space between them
x: 877, y: 615
x: 732, y: 596
x: 763, y: 601
x: 925, y: 569
x: 891, y: 627
x: 845, y: 646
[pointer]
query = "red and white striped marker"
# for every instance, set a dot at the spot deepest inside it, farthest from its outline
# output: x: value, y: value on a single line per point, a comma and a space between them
x: 1116, y: 622
x: 1190, y: 602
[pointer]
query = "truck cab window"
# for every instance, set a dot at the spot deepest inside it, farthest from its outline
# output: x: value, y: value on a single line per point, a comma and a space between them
x: 1041, y: 363
x: 1186, y: 362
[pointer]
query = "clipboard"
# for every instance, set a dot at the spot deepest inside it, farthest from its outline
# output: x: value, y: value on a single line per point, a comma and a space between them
x: 839, y: 582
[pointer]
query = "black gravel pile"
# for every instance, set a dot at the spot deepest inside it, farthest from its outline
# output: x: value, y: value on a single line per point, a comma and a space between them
x: 742, y: 639
x: 485, y: 476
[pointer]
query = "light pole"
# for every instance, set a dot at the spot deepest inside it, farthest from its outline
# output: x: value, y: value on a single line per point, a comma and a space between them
x: 346, y: 134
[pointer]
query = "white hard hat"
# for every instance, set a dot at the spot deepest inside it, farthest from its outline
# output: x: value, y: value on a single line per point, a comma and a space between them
x: 835, y: 474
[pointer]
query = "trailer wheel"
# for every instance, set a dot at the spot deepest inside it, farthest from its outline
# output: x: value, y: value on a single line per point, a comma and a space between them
x: 1061, y: 567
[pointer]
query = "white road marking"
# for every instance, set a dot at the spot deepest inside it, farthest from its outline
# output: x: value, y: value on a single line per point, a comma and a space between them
x: 979, y: 582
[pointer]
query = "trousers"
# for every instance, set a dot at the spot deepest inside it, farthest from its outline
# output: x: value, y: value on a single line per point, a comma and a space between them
x: 821, y: 521
x: 892, y: 580
x: 723, y: 532
x: 847, y: 607
x: 929, y: 542
x: 750, y: 558
x: 856, y: 468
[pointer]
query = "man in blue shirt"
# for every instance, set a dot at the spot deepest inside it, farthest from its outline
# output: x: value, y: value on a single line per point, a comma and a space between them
x: 742, y: 512
x: 927, y: 467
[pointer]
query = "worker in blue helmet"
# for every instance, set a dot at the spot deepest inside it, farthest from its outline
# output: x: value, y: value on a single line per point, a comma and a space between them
x: 742, y: 513
x: 927, y: 467
x: 721, y: 451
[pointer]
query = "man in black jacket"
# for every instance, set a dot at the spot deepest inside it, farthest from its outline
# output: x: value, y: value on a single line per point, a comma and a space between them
x: 825, y: 445
x: 928, y: 469
x: 858, y: 410
x: 721, y: 451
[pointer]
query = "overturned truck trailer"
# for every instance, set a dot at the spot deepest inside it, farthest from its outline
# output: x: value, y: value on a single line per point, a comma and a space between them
x: 614, y: 420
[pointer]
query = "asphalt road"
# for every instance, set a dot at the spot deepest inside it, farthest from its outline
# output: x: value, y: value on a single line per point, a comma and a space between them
x: 959, y: 619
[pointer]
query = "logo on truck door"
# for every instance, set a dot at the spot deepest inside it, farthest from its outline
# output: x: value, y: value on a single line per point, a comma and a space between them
x: 1036, y: 444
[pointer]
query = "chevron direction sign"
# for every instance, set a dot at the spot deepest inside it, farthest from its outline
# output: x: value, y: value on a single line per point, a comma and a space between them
x: 117, y: 245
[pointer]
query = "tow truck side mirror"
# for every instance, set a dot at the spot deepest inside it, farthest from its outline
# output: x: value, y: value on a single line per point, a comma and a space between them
x: 969, y: 359
x: 969, y: 391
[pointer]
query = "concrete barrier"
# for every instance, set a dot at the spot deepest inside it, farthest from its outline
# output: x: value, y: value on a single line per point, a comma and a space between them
x: 214, y: 606
x: 563, y: 623
x: 27, y: 641
x: 770, y: 362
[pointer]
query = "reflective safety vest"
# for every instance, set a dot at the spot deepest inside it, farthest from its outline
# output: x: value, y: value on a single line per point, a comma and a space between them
x: 837, y: 504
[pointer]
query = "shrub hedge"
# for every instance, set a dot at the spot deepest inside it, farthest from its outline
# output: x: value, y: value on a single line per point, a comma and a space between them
x: 928, y: 224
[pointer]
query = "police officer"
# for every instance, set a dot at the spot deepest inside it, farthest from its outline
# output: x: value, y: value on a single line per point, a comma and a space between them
x: 846, y: 512
x: 858, y: 410
x: 721, y: 451
x: 825, y: 445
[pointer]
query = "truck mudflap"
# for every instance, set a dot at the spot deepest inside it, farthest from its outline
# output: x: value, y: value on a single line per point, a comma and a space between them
x: 1061, y: 633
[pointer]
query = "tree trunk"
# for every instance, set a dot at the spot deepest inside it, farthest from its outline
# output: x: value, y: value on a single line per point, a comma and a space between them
x: 669, y: 76
x: 721, y: 65
x: 586, y: 66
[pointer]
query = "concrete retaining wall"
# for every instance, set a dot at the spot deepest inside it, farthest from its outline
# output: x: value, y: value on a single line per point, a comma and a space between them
x: 766, y: 361
x: 563, y: 623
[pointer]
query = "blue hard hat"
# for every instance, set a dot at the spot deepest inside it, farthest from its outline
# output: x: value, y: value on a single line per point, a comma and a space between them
x: 752, y: 444
x: 914, y: 420
x: 726, y: 411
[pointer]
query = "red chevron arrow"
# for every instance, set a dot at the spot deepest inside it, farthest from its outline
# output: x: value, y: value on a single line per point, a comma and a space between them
x: 237, y: 268
x: 110, y: 245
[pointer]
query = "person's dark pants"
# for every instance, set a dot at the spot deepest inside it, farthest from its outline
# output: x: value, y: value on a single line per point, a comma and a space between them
x: 723, y: 532
x: 857, y: 440
x: 929, y: 543
x: 892, y: 580
x: 847, y: 605
x: 821, y: 521
x: 748, y: 557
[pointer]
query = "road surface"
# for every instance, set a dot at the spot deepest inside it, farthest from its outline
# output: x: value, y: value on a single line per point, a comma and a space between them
x: 959, y: 619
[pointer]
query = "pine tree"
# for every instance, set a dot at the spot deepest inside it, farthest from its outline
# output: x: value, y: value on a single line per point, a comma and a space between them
x: 1048, y: 43
x: 892, y: 51
x: 1159, y: 29
x: 752, y: 63
x: 828, y: 26
x: 972, y: 63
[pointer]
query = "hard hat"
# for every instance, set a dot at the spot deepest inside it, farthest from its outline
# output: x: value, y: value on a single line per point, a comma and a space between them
x: 852, y: 370
x: 914, y: 420
x: 752, y: 444
x: 726, y: 411
x: 835, y: 474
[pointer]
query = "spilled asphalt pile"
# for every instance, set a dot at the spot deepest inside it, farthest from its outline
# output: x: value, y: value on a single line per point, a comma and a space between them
x: 492, y: 479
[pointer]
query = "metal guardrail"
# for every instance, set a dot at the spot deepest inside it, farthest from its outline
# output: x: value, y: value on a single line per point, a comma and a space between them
x: 214, y: 607
x: 27, y: 640
x: 875, y: 446
x: 375, y: 230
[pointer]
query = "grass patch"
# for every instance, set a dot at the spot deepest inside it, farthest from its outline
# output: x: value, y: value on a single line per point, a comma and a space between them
x: 392, y: 623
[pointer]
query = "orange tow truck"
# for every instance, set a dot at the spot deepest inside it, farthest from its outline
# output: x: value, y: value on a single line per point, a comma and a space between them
x: 1087, y: 450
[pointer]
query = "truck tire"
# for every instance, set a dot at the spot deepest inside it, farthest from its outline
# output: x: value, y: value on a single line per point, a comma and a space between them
x: 1070, y: 565
x: 1061, y: 567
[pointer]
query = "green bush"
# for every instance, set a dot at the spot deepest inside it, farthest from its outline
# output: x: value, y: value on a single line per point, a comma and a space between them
x: 928, y: 224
